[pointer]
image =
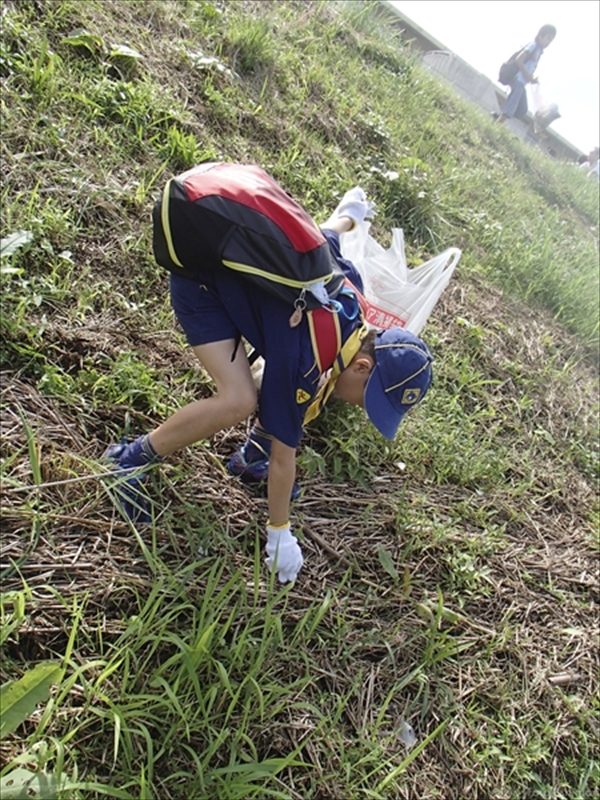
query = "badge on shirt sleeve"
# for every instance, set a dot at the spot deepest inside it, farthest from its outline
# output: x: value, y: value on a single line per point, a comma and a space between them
x: 302, y: 396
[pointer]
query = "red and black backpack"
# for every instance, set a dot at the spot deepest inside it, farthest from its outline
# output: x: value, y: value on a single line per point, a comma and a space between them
x: 235, y: 216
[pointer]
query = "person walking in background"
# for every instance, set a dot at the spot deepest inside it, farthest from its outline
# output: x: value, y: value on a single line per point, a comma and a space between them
x: 519, y: 70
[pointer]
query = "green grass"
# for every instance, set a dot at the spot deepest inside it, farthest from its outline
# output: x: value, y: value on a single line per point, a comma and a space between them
x: 450, y: 575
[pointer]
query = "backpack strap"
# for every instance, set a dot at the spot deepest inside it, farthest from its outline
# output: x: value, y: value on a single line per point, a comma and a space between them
x: 325, y: 330
x: 349, y: 349
x: 359, y: 296
x: 325, y: 336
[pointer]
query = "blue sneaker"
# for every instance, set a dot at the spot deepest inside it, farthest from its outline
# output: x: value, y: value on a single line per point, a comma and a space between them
x: 249, y: 473
x: 115, y: 451
x: 254, y: 473
x: 130, y: 492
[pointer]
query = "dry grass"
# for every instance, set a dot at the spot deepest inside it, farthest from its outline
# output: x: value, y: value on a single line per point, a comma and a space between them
x: 522, y: 633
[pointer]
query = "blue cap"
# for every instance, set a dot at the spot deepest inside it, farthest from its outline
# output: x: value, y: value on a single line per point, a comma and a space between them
x: 399, y: 380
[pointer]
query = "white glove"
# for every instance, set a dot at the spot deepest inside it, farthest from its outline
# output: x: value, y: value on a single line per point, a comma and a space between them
x: 354, y: 204
x: 284, y: 553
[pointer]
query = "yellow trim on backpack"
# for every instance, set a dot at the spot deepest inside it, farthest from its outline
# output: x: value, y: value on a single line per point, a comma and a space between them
x: 166, y: 225
x: 272, y: 277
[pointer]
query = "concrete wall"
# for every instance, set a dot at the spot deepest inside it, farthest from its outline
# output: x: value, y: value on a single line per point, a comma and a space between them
x: 469, y: 83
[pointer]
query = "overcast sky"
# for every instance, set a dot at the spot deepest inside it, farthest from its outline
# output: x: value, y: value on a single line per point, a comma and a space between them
x: 484, y: 33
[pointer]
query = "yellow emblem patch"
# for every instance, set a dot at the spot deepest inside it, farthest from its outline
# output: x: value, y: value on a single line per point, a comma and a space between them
x: 410, y: 397
x: 302, y: 396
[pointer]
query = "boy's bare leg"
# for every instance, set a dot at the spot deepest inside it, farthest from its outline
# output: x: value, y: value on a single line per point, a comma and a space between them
x: 235, y: 400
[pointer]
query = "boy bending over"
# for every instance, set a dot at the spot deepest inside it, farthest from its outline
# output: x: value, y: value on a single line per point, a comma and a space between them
x: 217, y: 228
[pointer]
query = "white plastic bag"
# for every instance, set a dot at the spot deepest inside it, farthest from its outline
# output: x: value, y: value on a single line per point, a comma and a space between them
x: 545, y: 113
x: 396, y: 295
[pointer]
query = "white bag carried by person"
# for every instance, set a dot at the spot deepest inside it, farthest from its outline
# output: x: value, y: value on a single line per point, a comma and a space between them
x: 395, y: 295
x: 545, y: 113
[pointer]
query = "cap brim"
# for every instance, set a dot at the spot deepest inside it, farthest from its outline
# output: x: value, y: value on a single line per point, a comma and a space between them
x: 380, y: 411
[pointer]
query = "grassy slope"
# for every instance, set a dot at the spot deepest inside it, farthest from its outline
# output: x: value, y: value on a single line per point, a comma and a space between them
x: 458, y: 592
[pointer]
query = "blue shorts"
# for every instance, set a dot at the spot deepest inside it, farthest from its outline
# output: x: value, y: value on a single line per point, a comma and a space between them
x: 200, y: 312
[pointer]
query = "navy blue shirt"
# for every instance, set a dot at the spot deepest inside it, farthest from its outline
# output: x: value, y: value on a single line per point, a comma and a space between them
x: 228, y: 305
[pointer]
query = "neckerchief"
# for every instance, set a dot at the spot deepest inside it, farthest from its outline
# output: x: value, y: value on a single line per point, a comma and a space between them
x: 349, y: 349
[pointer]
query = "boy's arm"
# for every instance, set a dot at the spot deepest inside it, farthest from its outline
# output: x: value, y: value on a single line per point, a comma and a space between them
x: 339, y: 224
x: 282, y: 472
x: 283, y: 551
x: 353, y: 208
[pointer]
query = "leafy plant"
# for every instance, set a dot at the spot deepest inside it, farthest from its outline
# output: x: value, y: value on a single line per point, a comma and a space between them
x: 251, y: 45
x: 115, y: 58
x: 12, y: 243
x: 19, y: 698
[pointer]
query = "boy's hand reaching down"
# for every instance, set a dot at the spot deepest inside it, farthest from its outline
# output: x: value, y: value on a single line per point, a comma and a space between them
x: 284, y: 553
x: 355, y: 206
